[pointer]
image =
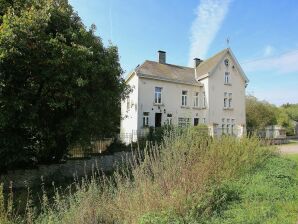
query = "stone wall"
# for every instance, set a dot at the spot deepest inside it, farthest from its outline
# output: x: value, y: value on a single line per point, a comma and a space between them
x: 59, y: 173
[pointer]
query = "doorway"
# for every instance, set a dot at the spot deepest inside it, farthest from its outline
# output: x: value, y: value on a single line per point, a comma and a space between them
x: 158, y: 119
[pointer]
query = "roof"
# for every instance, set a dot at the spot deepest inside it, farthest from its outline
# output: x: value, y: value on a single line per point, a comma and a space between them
x: 181, y: 74
x: 167, y: 72
x: 207, y: 66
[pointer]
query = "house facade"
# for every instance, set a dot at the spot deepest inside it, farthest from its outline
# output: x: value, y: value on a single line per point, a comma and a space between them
x: 212, y: 92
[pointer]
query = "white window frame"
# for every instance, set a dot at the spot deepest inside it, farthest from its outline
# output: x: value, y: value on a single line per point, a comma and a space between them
x: 204, y: 100
x: 184, y: 98
x: 230, y: 100
x: 183, y: 122
x: 196, y: 99
x: 146, y: 119
x: 227, y: 78
x: 158, y: 95
x: 169, y: 120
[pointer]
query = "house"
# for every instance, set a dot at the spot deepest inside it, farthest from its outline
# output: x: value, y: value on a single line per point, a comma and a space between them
x: 212, y: 92
x: 275, y: 132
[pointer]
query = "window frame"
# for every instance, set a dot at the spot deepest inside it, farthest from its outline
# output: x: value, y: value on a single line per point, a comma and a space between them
x: 158, y: 95
x: 196, y: 102
x: 184, y: 98
x: 145, y: 119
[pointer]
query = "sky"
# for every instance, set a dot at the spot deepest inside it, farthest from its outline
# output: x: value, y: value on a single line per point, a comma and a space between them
x: 263, y: 36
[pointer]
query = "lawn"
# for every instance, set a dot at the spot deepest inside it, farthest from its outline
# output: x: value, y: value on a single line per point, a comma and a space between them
x: 269, y: 195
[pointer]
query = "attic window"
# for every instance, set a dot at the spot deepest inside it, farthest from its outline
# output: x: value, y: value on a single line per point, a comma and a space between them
x: 227, y: 62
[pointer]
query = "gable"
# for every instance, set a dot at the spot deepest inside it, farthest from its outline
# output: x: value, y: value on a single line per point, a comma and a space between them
x: 208, y: 67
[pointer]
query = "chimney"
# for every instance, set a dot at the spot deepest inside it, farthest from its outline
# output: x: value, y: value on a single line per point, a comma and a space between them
x: 197, y: 61
x: 162, y: 57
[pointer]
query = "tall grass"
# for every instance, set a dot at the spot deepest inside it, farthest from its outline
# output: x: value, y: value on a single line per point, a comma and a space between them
x: 177, y: 181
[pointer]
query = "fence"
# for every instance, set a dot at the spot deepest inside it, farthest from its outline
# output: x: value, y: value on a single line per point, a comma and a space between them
x: 97, y: 147
x: 271, y: 135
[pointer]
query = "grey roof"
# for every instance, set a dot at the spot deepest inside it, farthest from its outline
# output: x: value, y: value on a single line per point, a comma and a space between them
x: 152, y: 69
x: 208, y: 65
x: 181, y: 74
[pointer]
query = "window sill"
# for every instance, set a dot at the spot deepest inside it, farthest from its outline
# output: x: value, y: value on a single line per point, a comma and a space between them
x: 228, y: 108
x: 158, y: 104
x: 185, y: 107
x: 228, y: 84
x: 197, y: 108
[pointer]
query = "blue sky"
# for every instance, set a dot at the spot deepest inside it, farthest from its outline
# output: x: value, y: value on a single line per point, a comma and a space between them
x: 263, y: 36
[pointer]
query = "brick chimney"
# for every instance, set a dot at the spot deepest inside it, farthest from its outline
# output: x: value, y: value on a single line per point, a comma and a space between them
x: 197, y: 61
x: 162, y: 57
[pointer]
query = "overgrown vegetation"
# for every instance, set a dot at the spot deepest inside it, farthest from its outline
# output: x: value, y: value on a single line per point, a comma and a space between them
x: 260, y: 114
x: 189, y: 178
x: 59, y: 86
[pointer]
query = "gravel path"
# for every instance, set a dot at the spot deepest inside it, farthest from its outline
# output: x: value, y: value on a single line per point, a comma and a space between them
x: 289, y: 148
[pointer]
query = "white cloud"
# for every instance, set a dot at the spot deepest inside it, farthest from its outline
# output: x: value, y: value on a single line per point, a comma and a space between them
x: 268, y: 51
x: 210, y: 15
x: 284, y: 63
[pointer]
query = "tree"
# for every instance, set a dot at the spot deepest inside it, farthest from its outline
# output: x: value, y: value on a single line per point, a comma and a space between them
x: 59, y: 86
x: 259, y: 114
x: 291, y: 110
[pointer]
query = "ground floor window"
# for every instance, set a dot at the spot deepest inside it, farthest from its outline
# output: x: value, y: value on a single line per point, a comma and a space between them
x: 169, y: 119
x: 183, y: 122
x: 145, y: 119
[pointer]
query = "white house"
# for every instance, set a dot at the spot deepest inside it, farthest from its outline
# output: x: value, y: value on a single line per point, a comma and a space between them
x: 212, y: 93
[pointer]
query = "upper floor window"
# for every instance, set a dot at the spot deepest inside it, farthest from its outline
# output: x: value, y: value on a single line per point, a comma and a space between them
x: 227, y: 78
x: 184, y: 98
x: 157, y: 96
x: 196, y: 99
x: 204, y: 100
x: 230, y: 100
x: 227, y: 100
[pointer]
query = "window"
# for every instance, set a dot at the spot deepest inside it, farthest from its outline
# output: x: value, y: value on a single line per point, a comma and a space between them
x: 196, y: 121
x: 230, y: 100
x: 204, y: 100
x: 128, y: 104
x: 227, y: 78
x: 157, y: 98
x: 169, y: 119
x: 227, y: 100
x: 145, y: 119
x: 196, y: 99
x: 183, y: 122
x: 232, y: 126
x: 184, y: 98
x: 228, y: 128
x: 204, y: 120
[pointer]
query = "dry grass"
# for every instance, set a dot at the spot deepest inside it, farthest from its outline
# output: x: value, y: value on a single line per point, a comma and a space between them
x: 175, y: 176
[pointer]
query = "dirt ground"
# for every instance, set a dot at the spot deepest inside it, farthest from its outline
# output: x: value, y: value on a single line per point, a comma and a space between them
x: 289, y: 148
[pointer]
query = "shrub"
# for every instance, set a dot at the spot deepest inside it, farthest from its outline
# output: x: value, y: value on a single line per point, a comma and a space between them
x: 181, y: 180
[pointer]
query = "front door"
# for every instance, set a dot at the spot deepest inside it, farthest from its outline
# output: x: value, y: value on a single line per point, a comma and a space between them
x: 196, y: 121
x: 158, y: 120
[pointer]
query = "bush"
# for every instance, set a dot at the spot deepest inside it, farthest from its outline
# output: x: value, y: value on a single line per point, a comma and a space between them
x: 182, y: 180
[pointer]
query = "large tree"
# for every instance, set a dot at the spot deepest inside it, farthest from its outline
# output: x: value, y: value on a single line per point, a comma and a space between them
x: 59, y: 85
x: 259, y: 114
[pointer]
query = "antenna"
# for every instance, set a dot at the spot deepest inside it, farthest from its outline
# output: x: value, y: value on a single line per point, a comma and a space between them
x: 228, y: 42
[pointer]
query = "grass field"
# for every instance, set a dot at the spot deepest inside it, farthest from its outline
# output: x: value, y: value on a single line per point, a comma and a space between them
x: 190, y: 178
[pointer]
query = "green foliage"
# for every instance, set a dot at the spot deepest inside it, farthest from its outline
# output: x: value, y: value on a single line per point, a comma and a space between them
x: 291, y: 110
x: 259, y: 114
x: 59, y: 86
